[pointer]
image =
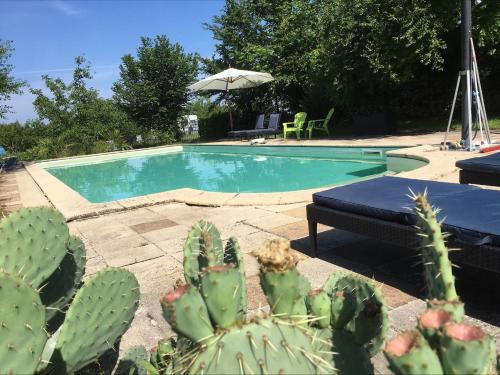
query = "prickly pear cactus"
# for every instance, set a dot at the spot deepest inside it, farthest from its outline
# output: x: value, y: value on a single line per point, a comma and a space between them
x: 33, y: 242
x: 22, y: 318
x: 443, y: 344
x: 300, y: 335
x: 101, y: 312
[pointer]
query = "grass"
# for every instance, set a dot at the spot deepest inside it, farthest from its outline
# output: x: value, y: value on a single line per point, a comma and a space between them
x: 438, y: 124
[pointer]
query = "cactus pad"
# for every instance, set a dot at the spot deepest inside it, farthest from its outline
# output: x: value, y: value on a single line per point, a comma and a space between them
x: 319, y: 305
x: 232, y: 254
x: 438, y: 276
x: 102, y: 310
x: 62, y: 284
x: 129, y: 364
x: 350, y: 357
x: 185, y: 310
x: 370, y: 321
x: 266, y: 346
x: 22, y: 317
x: 221, y: 289
x: 285, y: 288
x: 33, y: 242
x: 203, y: 248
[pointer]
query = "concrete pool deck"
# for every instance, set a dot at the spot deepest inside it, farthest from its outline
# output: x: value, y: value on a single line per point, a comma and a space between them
x: 148, y: 241
x: 74, y: 206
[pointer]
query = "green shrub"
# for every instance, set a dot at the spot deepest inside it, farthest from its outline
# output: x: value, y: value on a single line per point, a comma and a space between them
x: 16, y: 138
x: 213, y: 119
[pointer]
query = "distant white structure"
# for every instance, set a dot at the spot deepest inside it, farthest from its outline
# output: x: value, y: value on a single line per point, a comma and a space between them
x: 190, y: 124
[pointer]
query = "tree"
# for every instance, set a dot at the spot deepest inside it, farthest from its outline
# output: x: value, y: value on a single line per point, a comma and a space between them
x: 8, y: 84
x: 152, y: 87
x: 74, y: 114
x: 359, y: 55
x: 278, y: 37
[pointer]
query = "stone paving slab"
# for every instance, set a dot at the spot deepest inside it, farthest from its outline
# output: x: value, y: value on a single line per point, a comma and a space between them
x: 127, y: 250
x: 151, y: 226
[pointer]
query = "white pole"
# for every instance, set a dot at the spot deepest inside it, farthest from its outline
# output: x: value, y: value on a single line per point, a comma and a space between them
x: 469, y: 111
x: 445, y: 146
x: 480, y: 91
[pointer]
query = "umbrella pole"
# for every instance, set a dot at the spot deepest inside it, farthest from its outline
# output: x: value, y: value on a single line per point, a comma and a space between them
x: 230, y: 113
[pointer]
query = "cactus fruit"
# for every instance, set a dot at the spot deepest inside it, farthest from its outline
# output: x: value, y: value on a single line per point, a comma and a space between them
x: 466, y: 349
x: 185, y: 310
x: 203, y: 248
x: 102, y: 310
x: 431, y: 324
x: 221, y: 288
x: 455, y: 308
x: 130, y: 362
x: 22, y: 318
x: 409, y: 354
x: 33, y: 242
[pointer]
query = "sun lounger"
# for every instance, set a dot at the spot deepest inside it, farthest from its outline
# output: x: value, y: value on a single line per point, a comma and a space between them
x: 259, y: 125
x: 272, y: 127
x: 8, y: 163
x: 482, y: 170
x: 381, y: 209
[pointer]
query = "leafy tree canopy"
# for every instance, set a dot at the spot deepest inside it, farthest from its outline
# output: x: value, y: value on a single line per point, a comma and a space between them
x: 352, y: 53
x: 75, y: 113
x: 8, y: 84
x: 152, y: 88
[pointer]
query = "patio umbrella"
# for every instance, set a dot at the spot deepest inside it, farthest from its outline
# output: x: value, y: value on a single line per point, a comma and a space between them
x: 231, y: 79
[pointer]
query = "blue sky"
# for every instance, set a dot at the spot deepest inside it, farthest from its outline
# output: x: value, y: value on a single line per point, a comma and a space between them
x: 49, y: 34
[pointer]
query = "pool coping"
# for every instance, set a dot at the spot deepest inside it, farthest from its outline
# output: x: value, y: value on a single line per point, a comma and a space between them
x: 74, y: 206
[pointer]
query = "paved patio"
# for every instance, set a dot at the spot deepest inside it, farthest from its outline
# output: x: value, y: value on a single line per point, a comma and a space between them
x: 148, y: 241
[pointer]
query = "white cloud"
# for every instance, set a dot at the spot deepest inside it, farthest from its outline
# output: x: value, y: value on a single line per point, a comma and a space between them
x: 65, y: 7
x: 93, y: 69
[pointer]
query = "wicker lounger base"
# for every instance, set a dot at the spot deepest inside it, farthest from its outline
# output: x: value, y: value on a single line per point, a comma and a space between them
x: 479, y: 178
x: 485, y: 257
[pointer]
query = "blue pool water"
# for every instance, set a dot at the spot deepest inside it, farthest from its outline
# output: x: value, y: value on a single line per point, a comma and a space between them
x: 222, y: 168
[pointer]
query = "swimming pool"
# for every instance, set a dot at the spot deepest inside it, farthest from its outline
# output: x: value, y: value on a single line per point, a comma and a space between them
x: 231, y: 169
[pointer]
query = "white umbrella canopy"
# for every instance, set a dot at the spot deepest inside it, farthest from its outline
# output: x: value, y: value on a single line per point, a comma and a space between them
x: 231, y: 79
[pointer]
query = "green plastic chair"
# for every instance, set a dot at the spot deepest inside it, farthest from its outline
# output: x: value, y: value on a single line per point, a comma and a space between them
x: 321, y: 124
x: 295, y: 126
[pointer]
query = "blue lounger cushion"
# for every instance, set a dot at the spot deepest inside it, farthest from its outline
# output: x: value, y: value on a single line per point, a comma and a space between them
x: 471, y: 213
x: 488, y: 164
